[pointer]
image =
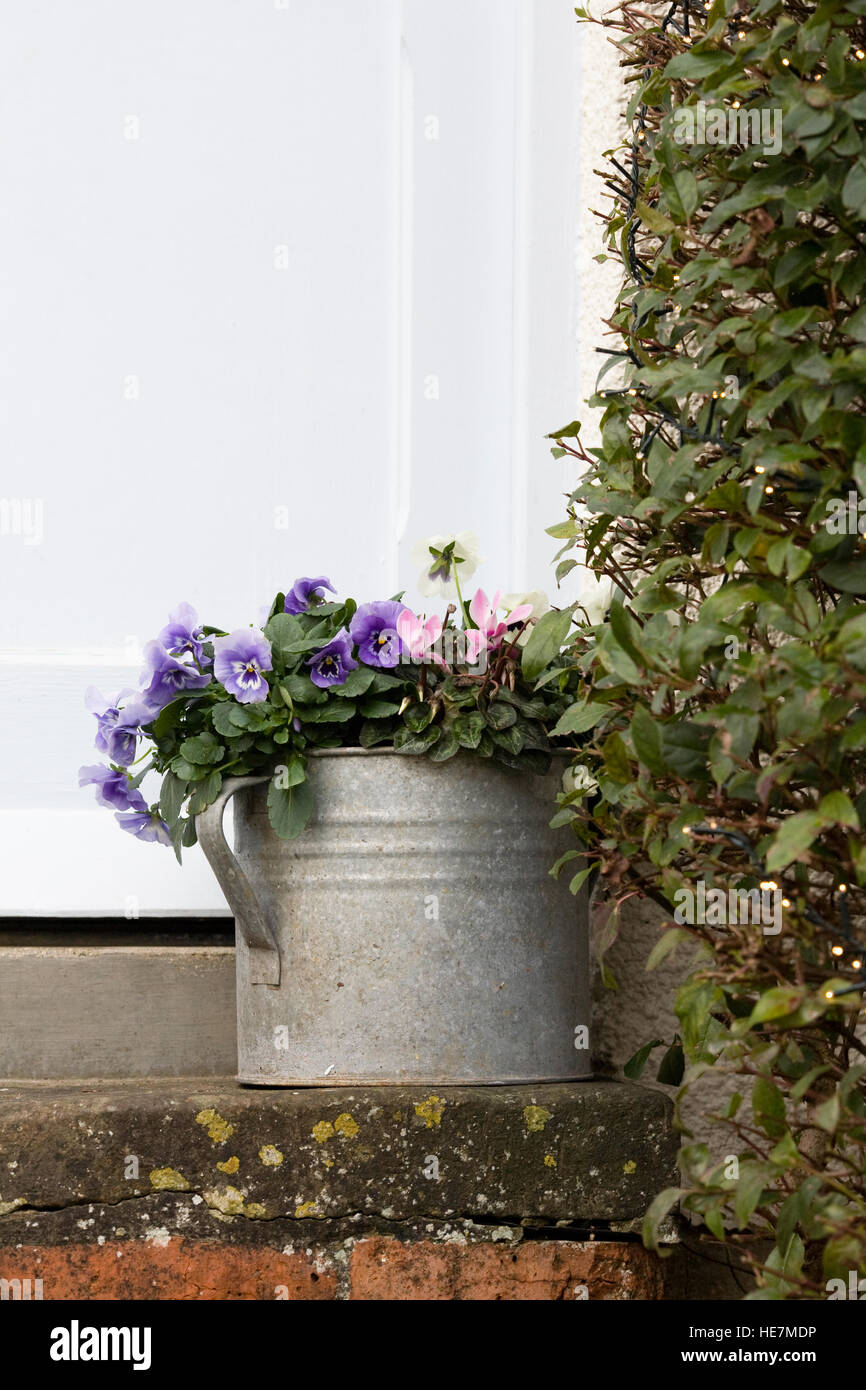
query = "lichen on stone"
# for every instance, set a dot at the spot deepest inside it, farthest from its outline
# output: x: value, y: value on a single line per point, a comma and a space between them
x: 270, y: 1156
x: 430, y: 1110
x: 219, y: 1130
x: 168, y: 1180
x: 535, y: 1118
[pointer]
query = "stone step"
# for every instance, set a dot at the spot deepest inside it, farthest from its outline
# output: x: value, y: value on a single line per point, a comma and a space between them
x: 82, y: 1011
x: 203, y: 1189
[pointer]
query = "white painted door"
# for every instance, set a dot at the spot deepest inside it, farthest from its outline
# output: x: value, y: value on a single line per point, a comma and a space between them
x: 286, y: 285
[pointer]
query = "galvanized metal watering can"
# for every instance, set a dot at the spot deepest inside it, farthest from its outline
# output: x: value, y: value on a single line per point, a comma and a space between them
x: 411, y: 934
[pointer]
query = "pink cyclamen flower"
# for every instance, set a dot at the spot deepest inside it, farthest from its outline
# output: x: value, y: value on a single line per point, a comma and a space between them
x: 418, y: 638
x: 491, y: 629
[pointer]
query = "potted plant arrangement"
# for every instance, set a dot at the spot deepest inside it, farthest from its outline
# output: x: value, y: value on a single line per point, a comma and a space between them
x: 395, y: 777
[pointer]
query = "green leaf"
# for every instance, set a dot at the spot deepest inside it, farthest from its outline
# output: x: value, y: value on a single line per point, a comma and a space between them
x: 500, y: 716
x: 356, y: 683
x: 838, y: 808
x: 373, y: 733
x: 379, y: 709
x: 854, y: 188
x: 672, y: 1066
x: 794, y: 836
x: 447, y: 747
x: 753, y: 1179
x: 221, y: 717
x: 546, y: 642
x: 663, y: 947
x: 418, y: 716
x: 687, y: 190
x: 827, y: 1114
x: 659, y: 1208
x: 469, y: 728
x: 647, y: 739
x: 202, y: 750
x: 283, y: 631
x: 290, y: 808
x: 406, y: 741
x: 768, y: 1107
x: 777, y: 1003
x: 847, y: 576
x: 169, y: 718
x: 616, y: 759
x: 579, y: 880
x: 206, y: 793
x: 580, y: 718
x: 292, y: 772
x: 634, y: 1067
x: 171, y: 797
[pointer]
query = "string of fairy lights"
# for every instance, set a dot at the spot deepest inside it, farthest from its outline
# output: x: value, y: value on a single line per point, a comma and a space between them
x: 846, y: 951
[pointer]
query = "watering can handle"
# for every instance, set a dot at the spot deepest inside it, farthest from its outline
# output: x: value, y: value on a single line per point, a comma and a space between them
x: 264, y: 954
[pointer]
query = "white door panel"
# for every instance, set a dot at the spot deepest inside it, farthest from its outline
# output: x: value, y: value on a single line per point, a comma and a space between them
x: 270, y: 278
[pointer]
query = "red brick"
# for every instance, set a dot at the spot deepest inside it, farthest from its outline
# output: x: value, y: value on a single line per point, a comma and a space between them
x: 383, y: 1268
x: 182, y: 1269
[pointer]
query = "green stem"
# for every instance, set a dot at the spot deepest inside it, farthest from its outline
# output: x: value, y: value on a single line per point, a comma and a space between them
x: 466, y: 618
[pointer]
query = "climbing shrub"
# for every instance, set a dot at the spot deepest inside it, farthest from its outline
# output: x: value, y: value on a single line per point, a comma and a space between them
x: 722, y: 701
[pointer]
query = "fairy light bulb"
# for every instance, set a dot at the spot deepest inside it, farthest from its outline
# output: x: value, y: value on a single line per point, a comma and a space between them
x: 842, y: 888
x: 769, y: 886
x: 837, y: 951
x: 859, y: 54
x: 759, y: 468
x: 856, y: 965
x: 828, y: 994
x: 769, y: 491
x: 741, y: 33
x: 786, y: 902
x: 736, y: 105
x: 818, y: 76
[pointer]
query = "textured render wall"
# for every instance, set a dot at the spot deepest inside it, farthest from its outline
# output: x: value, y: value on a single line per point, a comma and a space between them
x: 641, y: 1009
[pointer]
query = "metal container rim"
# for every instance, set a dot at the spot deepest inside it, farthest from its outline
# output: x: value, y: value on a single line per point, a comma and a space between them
x: 395, y: 753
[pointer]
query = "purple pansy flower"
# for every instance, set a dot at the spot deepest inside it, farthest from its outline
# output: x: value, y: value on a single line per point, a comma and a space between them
x: 117, y: 729
x: 183, y: 632
x: 112, y: 788
x: 332, y: 664
x: 374, y: 630
x: 145, y: 825
x: 239, y: 661
x: 306, y: 591
x: 167, y: 677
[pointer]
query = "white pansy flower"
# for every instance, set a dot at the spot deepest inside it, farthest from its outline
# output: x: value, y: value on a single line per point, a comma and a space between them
x: 536, y: 599
x: 436, y: 576
x: 578, y: 779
